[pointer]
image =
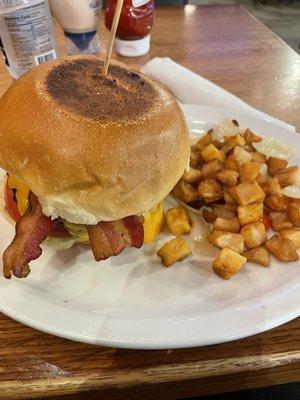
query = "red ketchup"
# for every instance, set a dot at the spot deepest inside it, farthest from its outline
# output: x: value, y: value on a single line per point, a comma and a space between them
x: 133, y: 33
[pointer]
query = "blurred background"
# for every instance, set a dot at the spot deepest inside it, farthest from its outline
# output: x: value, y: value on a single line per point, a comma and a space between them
x: 281, y: 16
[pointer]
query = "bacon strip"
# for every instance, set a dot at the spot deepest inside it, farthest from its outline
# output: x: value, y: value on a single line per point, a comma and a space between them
x: 31, y: 230
x: 110, y: 238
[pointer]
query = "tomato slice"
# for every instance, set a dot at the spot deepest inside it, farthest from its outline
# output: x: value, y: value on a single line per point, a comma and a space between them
x: 11, y: 206
x: 10, y: 203
x: 266, y: 221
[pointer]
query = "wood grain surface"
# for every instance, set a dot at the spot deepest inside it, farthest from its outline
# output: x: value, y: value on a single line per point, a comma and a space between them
x: 230, y: 47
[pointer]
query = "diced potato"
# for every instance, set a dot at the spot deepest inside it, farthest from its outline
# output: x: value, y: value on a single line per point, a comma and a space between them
x: 237, y: 140
x: 208, y: 215
x: 228, y: 263
x: 231, y: 163
x: 272, y: 187
x: 293, y: 235
x: 204, y: 141
x: 185, y: 191
x: 218, y: 144
x: 178, y: 221
x: 294, y: 213
x: 227, y: 196
x: 258, y: 157
x: 249, y: 148
x: 249, y: 171
x: 254, y: 234
x: 210, y: 169
x: 287, y: 176
x: 209, y: 190
x: 276, y: 203
x: 247, y: 193
x: 275, y: 164
x: 193, y: 175
x: 242, y: 156
x: 261, y: 179
x: 223, y: 211
x: 200, y: 159
x: 232, y: 141
x: 258, y: 255
x: 224, y: 239
x: 250, y: 213
x: 280, y: 220
x: 228, y: 177
x: 297, y: 201
x: 223, y: 224
x: 231, y: 207
x: 212, y: 153
x: 251, y: 137
x: 194, y: 159
x: 226, y: 139
x: 282, y: 248
x: 174, y: 250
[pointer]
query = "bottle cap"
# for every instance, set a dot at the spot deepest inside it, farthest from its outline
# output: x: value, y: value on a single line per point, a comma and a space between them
x: 133, y: 48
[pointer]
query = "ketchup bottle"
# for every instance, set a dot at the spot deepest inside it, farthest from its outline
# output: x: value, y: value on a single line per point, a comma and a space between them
x: 133, y: 33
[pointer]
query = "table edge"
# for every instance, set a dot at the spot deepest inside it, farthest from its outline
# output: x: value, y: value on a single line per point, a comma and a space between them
x: 152, y: 375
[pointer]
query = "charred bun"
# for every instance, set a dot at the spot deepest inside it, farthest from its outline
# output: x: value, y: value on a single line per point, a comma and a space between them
x: 91, y: 147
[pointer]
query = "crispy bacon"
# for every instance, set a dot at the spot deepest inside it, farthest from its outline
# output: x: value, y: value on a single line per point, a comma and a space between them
x: 31, y: 230
x: 110, y: 238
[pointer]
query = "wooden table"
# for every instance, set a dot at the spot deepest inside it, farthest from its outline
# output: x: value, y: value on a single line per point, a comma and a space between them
x: 229, y: 46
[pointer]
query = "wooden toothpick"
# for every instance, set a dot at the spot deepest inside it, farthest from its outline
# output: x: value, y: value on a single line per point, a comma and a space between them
x: 112, y: 36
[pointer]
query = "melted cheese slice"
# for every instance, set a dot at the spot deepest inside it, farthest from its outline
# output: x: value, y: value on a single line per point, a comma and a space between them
x: 22, y: 192
x: 153, y: 222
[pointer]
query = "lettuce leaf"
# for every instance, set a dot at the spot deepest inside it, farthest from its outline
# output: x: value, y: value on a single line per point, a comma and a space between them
x: 61, y: 243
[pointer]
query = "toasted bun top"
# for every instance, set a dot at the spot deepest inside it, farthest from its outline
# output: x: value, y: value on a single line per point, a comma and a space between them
x: 92, y: 147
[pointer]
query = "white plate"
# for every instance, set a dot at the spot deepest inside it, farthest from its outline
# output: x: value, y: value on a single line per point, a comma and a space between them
x: 133, y: 301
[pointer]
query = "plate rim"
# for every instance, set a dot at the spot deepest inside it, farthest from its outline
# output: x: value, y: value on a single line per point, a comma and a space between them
x: 294, y: 310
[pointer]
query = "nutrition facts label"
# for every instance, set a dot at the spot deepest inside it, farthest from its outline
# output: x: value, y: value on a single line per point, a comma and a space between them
x: 27, y: 37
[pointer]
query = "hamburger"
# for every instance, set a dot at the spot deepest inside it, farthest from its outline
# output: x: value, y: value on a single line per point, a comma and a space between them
x: 89, y: 158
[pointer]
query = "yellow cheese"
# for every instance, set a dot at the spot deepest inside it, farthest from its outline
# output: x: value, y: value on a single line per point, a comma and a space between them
x: 153, y: 222
x: 22, y: 192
